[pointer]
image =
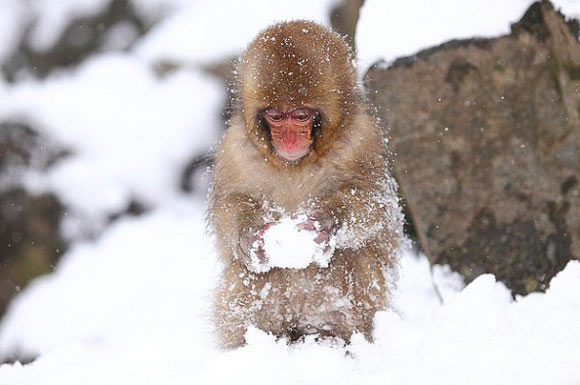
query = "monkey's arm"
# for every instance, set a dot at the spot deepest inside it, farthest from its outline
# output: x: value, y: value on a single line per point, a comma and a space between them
x: 238, y: 221
x: 360, y: 214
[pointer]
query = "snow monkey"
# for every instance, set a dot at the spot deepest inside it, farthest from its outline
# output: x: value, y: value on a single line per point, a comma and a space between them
x: 302, y: 148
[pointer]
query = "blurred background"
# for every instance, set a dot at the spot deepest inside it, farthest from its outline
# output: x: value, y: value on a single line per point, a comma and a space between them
x: 109, y: 109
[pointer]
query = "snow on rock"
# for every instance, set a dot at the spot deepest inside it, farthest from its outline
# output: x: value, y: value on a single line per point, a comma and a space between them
x: 52, y: 17
x: 389, y: 29
x: 188, y: 30
x: 209, y: 31
x: 130, y: 132
x: 447, y: 281
x: 155, y: 10
x: 48, y: 19
x: 289, y: 247
x: 12, y: 16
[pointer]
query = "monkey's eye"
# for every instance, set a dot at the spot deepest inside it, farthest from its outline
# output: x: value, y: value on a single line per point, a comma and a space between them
x: 302, y: 114
x: 273, y: 115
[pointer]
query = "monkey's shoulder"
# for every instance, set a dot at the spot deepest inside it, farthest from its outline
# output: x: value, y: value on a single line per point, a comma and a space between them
x: 355, y: 161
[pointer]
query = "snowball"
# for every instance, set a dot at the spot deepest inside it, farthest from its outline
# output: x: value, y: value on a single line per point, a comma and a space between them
x: 289, y: 247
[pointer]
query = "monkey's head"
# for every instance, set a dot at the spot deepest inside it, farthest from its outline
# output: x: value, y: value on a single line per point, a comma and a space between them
x: 297, y: 91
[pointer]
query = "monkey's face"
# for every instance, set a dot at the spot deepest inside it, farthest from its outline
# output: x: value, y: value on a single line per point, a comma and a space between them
x: 290, y: 131
x: 297, y: 92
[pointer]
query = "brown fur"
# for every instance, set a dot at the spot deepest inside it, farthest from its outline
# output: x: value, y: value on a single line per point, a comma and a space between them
x: 303, y: 64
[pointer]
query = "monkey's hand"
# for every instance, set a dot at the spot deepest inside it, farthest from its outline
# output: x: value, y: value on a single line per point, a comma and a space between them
x: 251, y: 248
x: 323, y: 223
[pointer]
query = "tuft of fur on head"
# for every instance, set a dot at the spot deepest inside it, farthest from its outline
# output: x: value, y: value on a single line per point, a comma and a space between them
x: 294, y: 64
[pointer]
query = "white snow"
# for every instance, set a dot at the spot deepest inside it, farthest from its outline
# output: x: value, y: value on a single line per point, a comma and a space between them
x: 130, y: 132
x: 209, y: 31
x: 134, y: 305
x: 289, y: 247
x: 49, y: 18
x: 52, y: 16
x: 389, y: 29
x: 12, y: 17
x: 130, y: 271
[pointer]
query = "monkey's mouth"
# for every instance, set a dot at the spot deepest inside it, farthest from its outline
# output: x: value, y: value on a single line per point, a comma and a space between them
x: 293, y: 154
x: 290, y: 143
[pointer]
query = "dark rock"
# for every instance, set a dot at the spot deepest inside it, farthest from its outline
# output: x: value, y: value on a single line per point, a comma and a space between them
x: 198, y: 164
x: 344, y: 18
x: 133, y: 209
x: 451, y: 45
x: 486, y: 134
x: 21, y: 147
x: 533, y: 22
x: 81, y: 38
x: 30, y: 242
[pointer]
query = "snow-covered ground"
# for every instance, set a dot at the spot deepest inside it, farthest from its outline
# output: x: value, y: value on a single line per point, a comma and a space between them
x: 134, y: 305
x: 134, y: 308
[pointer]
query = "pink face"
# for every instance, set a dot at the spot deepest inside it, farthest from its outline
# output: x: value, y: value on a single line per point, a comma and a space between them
x: 291, y: 131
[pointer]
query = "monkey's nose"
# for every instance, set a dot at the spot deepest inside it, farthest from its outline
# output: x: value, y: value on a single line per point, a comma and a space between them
x: 290, y: 137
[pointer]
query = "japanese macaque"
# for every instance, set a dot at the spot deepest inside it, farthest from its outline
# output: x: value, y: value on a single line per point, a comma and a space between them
x: 301, y: 144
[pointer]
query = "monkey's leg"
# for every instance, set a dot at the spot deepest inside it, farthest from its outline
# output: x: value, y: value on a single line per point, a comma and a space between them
x: 358, y: 276
x: 249, y: 299
x: 234, y: 306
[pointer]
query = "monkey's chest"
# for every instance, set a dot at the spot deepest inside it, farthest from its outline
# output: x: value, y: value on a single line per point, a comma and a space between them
x: 294, y: 190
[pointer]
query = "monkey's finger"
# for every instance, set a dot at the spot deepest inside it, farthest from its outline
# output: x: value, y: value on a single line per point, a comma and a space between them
x: 263, y: 230
x: 308, y: 225
x: 323, y: 218
x: 261, y: 254
x: 322, y: 237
